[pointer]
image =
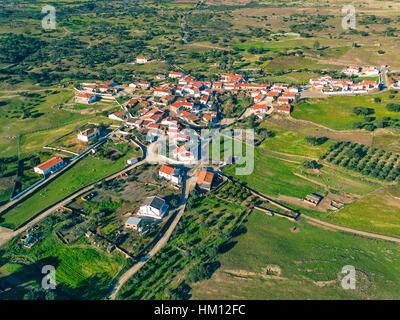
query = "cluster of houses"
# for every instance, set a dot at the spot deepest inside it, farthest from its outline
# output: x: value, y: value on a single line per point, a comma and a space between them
x: 361, y: 71
x: 328, y: 85
x: 92, y: 92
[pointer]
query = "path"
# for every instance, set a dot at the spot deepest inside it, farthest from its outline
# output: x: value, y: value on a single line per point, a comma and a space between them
x: 7, y: 234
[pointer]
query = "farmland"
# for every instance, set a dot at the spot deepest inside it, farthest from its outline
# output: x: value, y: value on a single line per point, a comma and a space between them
x: 271, y: 261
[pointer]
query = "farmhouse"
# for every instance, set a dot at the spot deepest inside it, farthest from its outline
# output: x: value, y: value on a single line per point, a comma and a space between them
x: 171, y: 174
x: 88, y: 134
x: 205, y: 180
x: 52, y: 165
x: 85, y: 97
x: 175, y: 75
x: 259, y: 110
x: 285, y: 108
x: 153, y: 207
x: 142, y: 60
x: 134, y: 223
x: 118, y: 116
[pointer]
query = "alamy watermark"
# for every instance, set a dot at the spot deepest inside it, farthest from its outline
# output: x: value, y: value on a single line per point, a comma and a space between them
x: 49, y: 280
x: 349, y: 280
x: 49, y: 20
x: 349, y: 20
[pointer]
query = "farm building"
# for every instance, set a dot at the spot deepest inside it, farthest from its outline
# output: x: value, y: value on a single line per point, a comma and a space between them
x: 52, y: 165
x: 313, y: 198
x: 134, y: 223
x: 205, y: 180
x: 88, y: 134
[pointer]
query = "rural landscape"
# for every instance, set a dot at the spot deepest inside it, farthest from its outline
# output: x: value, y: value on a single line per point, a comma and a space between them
x: 199, y: 150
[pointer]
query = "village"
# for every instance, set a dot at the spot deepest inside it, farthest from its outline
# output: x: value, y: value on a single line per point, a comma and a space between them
x: 173, y: 106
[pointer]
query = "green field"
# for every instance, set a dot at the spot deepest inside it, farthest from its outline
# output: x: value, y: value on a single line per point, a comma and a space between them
x: 83, y: 173
x: 378, y: 212
x: 272, y: 176
x: 310, y: 263
x: 82, y: 272
x: 285, y: 141
x: 337, y: 112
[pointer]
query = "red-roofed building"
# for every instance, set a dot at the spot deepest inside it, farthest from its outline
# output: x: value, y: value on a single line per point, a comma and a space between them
x: 52, y: 165
x: 175, y: 75
x: 142, y: 60
x: 85, y: 97
x: 285, y: 108
x: 171, y: 174
x: 205, y: 180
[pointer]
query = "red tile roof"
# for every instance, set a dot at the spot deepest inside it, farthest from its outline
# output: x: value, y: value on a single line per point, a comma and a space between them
x: 49, y: 163
x: 167, y: 169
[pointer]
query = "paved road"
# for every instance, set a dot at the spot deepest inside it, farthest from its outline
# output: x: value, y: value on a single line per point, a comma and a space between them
x: 188, y: 185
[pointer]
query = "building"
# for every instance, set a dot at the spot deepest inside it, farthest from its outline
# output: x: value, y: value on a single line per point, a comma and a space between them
x: 175, y: 75
x: 132, y: 161
x: 118, y: 116
x: 313, y: 198
x: 153, y: 207
x: 171, y: 174
x: 205, y: 180
x: 142, y: 60
x: 285, y: 108
x: 88, y: 134
x: 134, y: 223
x: 85, y: 97
x: 52, y: 165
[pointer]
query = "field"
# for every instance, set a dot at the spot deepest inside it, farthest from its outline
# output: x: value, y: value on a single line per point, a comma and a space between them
x: 337, y: 112
x: 82, y: 271
x: 378, y: 212
x: 199, y: 235
x: 83, y: 173
x: 270, y: 261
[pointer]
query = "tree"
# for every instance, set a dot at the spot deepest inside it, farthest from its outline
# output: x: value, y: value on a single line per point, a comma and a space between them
x: 311, y: 164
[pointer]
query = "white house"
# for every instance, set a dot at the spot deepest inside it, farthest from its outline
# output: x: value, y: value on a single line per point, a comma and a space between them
x: 88, y: 134
x: 153, y: 207
x: 142, y: 60
x: 175, y: 75
x: 52, y: 165
x: 171, y: 174
x: 84, y: 97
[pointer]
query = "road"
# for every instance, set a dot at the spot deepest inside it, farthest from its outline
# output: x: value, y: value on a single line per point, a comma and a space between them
x: 7, y: 234
x: 188, y: 186
x: 327, y: 224
x: 12, y: 203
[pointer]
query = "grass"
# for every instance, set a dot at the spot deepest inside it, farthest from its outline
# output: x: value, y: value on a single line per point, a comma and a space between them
x: 337, y: 112
x: 82, y: 271
x: 83, y: 173
x: 310, y: 262
x: 378, y: 212
x: 273, y: 177
x: 286, y: 141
